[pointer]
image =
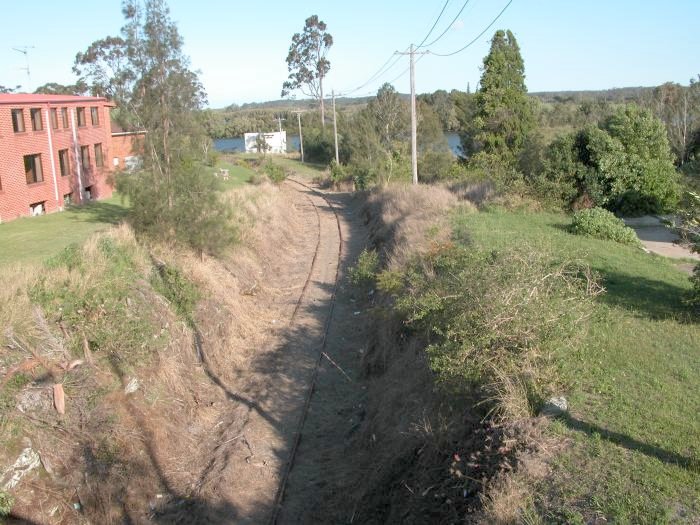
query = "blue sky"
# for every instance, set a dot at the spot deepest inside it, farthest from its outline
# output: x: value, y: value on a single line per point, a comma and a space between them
x: 240, y: 47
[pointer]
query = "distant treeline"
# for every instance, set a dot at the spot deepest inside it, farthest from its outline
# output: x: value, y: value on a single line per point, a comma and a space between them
x: 557, y: 111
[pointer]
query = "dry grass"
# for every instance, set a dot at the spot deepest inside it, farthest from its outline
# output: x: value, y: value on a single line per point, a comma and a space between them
x: 406, y: 220
x: 119, y: 450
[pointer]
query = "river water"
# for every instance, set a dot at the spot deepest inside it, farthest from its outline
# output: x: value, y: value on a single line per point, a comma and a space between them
x: 236, y: 144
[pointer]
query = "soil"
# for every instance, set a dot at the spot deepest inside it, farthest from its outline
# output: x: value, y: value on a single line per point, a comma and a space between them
x: 245, y: 479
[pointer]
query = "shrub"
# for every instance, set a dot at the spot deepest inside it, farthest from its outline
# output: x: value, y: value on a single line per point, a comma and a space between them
x: 274, y: 172
x: 364, y: 273
x: 626, y: 166
x: 490, y: 317
x: 602, y: 224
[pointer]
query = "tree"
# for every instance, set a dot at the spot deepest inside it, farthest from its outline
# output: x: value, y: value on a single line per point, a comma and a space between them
x: 625, y: 165
x: 5, y: 89
x: 307, y: 63
x: 391, y: 115
x: 679, y: 109
x: 108, y: 68
x: 504, y: 115
x: 171, y: 199
x: 53, y: 88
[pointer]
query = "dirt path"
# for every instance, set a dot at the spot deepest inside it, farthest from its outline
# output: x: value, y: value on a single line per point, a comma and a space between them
x: 658, y: 238
x: 248, y: 457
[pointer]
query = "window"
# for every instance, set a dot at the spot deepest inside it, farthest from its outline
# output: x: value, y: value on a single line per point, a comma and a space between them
x: 85, y: 157
x: 35, y: 115
x: 54, y: 118
x: 63, y: 162
x: 32, y: 168
x: 81, y: 117
x: 68, y: 199
x: 18, y: 120
x: 89, y: 193
x: 99, y: 162
x: 64, y: 117
x: 38, y: 208
x: 95, y: 116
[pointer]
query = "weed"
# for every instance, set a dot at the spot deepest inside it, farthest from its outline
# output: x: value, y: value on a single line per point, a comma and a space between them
x: 364, y: 273
x: 6, y: 502
x: 176, y: 288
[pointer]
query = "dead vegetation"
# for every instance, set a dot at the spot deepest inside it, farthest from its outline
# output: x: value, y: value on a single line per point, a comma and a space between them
x: 139, y: 413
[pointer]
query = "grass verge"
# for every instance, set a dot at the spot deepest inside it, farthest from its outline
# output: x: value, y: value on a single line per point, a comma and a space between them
x: 32, y: 239
x: 633, y: 427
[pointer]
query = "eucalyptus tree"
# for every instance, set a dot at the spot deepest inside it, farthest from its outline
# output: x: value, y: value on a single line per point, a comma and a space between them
x: 307, y: 63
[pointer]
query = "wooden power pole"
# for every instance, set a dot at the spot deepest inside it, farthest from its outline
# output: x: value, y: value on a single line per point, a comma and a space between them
x: 301, y: 138
x: 414, y: 132
x: 335, y: 130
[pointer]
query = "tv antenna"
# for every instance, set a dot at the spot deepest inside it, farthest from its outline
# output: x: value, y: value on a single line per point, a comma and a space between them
x: 25, y: 51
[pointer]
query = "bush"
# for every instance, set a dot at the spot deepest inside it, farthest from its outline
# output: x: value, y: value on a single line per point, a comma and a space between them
x: 364, y: 273
x: 602, y: 224
x: 626, y: 166
x: 188, y: 209
x: 274, y: 172
x: 490, y: 317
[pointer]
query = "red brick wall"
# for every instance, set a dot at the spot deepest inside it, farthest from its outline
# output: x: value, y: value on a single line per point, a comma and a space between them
x: 16, y: 195
x: 125, y: 145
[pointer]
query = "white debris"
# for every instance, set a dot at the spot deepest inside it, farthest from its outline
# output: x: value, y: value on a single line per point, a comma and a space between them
x: 27, y: 461
x: 132, y: 386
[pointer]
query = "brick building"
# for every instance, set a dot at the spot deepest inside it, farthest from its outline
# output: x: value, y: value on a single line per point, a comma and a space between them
x: 55, y: 150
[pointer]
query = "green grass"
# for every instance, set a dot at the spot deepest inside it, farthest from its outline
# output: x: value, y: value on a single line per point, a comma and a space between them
x: 632, y: 386
x: 306, y: 170
x: 238, y: 175
x: 32, y: 239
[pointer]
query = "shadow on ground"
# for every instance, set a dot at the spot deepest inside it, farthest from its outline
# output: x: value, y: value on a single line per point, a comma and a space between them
x: 623, y: 440
x: 99, y: 211
x: 650, y: 298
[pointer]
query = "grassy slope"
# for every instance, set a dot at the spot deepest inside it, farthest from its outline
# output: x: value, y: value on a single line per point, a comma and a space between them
x: 32, y: 239
x: 632, y: 387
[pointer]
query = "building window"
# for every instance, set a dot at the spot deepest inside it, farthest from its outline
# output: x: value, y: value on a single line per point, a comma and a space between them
x: 81, y: 117
x: 68, y: 199
x: 32, y: 168
x: 99, y: 161
x: 38, y: 208
x: 64, y: 117
x: 54, y: 118
x: 95, y: 116
x: 18, y: 120
x: 35, y: 115
x: 85, y: 157
x: 63, y: 162
x: 89, y: 193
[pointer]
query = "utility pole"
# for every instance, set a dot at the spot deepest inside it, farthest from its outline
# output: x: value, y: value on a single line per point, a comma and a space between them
x: 335, y: 129
x: 279, y: 121
x: 301, y: 138
x: 414, y: 134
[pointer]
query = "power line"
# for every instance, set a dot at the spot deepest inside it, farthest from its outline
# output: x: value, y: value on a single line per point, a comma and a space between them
x: 436, y: 23
x: 381, y: 71
x: 477, y: 37
x: 447, y: 28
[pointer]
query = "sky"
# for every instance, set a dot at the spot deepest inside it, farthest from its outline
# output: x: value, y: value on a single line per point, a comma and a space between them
x: 240, y: 47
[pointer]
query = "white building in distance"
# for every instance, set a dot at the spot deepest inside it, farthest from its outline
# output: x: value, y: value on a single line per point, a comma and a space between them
x: 276, y: 142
